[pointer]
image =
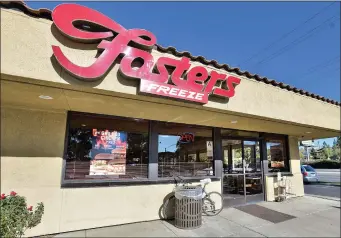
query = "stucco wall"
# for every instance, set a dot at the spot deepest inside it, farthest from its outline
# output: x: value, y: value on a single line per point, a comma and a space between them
x: 30, y: 57
x: 294, y: 183
x: 32, y: 141
x: 31, y: 164
x: 32, y: 144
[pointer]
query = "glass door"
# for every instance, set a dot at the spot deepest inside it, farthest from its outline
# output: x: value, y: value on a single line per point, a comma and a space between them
x: 233, y: 179
x: 253, y: 172
x: 242, y: 179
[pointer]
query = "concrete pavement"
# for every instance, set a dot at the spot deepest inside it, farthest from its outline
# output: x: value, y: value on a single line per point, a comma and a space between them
x: 313, y: 217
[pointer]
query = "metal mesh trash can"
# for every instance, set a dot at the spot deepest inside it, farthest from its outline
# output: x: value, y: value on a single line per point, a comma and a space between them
x: 188, y: 207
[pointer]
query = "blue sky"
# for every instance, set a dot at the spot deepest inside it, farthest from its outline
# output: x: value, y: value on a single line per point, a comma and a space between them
x: 168, y: 143
x: 245, y: 34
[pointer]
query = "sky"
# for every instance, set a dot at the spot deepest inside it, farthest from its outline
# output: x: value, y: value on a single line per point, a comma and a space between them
x: 297, y: 43
x: 167, y: 143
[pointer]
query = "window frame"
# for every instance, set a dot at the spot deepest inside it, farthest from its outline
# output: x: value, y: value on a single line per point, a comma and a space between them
x: 285, y: 138
x: 152, y: 176
x: 157, y: 131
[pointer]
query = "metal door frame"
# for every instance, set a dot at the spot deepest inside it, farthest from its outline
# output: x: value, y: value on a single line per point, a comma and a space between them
x: 259, y: 140
x: 262, y: 158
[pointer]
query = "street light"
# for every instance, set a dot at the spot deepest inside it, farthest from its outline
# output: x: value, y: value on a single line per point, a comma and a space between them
x: 169, y: 146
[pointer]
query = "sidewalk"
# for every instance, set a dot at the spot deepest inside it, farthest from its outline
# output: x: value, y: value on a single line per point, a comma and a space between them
x: 304, y: 217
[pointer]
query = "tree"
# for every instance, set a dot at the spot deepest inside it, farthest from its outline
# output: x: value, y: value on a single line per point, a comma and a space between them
x: 324, y: 153
x: 325, y: 145
x: 327, y: 151
x: 335, y: 153
x: 313, y: 154
x: 79, y: 144
x: 334, y: 142
x: 302, y: 156
x: 137, y: 148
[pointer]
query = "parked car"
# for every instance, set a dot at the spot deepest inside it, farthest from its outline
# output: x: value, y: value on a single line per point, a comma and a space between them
x: 309, y: 174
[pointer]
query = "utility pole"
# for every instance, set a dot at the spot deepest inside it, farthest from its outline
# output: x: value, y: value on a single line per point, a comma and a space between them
x: 306, y: 148
x: 307, y: 145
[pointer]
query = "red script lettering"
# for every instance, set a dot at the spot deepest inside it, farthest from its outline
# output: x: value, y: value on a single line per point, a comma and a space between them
x: 192, y: 84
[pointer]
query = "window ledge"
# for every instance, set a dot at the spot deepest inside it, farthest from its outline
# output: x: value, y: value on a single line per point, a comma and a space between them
x: 96, y: 183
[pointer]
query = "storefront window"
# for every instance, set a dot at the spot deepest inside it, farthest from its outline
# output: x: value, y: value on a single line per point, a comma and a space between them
x: 184, y: 150
x: 277, y: 154
x: 106, y: 148
x: 238, y: 133
x: 252, y: 157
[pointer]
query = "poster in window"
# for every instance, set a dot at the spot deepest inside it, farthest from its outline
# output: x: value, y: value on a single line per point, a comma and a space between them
x: 276, y: 152
x: 209, y: 147
x: 108, y: 153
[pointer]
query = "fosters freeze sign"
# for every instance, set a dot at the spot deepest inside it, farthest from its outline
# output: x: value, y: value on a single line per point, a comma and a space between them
x: 194, y: 85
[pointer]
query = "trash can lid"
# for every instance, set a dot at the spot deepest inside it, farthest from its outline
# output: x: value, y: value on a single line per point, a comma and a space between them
x: 194, y: 192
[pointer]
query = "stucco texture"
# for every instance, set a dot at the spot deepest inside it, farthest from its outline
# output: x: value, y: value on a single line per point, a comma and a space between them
x: 32, y: 144
x: 33, y: 130
x: 30, y: 59
x: 294, y: 183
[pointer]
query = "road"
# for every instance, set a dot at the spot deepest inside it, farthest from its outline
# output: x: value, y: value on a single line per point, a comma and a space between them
x: 325, y: 175
x: 322, y: 190
x: 329, y: 175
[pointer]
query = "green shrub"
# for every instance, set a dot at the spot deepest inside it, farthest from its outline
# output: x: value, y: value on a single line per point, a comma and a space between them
x: 16, y: 217
x: 323, y: 164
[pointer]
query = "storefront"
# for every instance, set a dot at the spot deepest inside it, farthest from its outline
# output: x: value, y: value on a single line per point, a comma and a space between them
x: 97, y: 120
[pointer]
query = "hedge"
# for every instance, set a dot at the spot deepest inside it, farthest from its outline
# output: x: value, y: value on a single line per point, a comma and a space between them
x: 323, y: 164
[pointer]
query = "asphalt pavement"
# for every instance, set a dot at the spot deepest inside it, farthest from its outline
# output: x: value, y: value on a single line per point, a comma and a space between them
x: 325, y: 190
x: 322, y: 190
x: 329, y: 175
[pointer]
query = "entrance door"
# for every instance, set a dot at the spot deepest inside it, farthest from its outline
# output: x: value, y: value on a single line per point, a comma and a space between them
x: 253, y: 172
x: 233, y: 179
x: 242, y: 179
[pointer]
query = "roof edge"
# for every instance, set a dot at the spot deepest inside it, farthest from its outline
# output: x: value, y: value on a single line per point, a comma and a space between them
x: 46, y: 14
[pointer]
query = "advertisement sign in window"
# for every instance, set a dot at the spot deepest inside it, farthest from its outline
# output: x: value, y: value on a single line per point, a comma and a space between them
x: 209, y: 147
x: 186, y: 137
x: 276, y: 152
x: 108, y: 152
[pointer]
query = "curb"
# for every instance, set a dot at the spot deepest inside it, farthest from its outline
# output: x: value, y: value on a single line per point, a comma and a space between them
x: 323, y: 197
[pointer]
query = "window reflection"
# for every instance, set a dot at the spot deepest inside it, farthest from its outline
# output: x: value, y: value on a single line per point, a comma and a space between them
x: 252, y: 156
x: 184, y: 151
x: 106, y: 148
x: 233, y: 162
x: 276, y: 154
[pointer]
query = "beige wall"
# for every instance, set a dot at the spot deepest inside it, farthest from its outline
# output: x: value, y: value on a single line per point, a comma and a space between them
x: 26, y: 53
x: 33, y: 140
x: 31, y: 164
x: 32, y: 144
x: 295, y: 182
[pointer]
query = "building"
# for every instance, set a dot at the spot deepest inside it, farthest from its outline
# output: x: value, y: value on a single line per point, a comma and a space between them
x: 96, y: 125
